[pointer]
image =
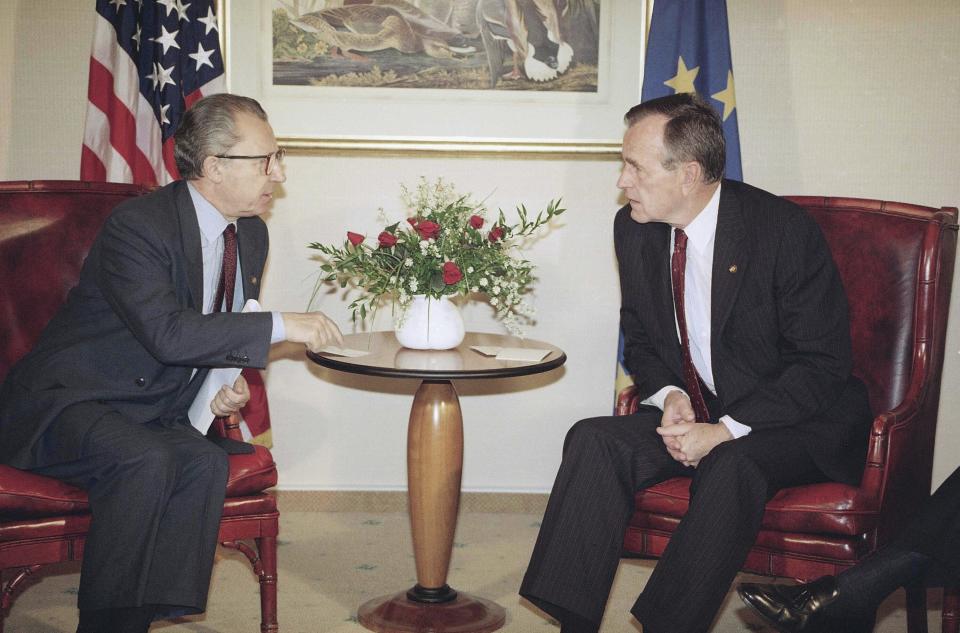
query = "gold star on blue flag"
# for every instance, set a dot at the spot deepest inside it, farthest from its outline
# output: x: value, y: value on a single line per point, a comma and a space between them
x: 688, y: 50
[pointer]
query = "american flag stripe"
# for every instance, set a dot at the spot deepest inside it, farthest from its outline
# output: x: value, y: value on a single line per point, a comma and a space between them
x: 121, y: 127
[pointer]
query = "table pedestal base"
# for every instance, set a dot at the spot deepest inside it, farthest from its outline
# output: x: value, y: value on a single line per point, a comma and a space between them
x: 398, y: 614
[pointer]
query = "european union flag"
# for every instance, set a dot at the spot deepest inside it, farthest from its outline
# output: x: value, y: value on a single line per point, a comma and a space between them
x: 688, y: 50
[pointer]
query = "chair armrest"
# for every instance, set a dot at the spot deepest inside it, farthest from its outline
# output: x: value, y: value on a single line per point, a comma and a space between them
x: 896, y: 441
x: 628, y: 400
x: 228, y: 427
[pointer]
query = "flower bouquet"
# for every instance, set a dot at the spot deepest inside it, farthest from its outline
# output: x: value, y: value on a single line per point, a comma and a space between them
x: 445, y: 246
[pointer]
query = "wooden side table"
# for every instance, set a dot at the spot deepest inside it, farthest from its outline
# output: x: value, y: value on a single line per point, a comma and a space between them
x: 434, y: 467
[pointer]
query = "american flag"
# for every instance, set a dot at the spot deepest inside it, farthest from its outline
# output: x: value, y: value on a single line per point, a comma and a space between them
x: 151, y: 60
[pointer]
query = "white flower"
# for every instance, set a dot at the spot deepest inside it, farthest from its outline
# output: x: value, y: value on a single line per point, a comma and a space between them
x: 475, y: 289
x: 413, y: 285
x: 484, y: 282
x: 494, y: 301
x: 470, y: 269
x: 495, y: 290
x: 424, y: 245
x: 408, y: 262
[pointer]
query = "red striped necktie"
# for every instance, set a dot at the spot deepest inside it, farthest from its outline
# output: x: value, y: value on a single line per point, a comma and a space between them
x: 678, y: 265
x: 228, y: 271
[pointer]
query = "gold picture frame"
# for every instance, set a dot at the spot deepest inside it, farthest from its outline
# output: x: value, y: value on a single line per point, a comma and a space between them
x: 590, y: 126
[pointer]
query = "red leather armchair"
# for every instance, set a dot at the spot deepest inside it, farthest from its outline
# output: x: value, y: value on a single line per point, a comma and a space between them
x: 896, y: 261
x: 46, y: 228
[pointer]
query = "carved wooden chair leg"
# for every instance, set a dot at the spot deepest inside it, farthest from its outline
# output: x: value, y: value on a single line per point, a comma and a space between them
x: 916, y: 609
x: 950, y: 622
x: 268, y: 584
x: 265, y: 567
x: 6, y: 595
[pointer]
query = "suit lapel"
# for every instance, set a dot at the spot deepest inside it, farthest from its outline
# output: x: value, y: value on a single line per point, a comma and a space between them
x: 190, y: 238
x: 730, y: 261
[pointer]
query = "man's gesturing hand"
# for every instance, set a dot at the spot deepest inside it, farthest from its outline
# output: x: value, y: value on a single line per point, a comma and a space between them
x: 313, y: 329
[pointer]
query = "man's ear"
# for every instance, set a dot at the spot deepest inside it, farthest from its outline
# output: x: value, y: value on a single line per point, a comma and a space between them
x: 213, y: 169
x: 691, y: 174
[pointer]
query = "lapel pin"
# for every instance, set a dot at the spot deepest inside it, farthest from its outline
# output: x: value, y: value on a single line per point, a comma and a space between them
x: 733, y: 268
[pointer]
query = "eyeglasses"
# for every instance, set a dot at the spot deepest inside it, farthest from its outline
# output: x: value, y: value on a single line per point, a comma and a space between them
x: 272, y: 160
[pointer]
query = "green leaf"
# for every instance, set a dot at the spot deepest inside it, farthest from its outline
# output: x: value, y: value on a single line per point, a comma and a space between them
x: 436, y: 282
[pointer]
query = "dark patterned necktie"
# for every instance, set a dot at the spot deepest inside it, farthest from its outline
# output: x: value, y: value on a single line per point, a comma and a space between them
x: 228, y: 271
x: 678, y: 265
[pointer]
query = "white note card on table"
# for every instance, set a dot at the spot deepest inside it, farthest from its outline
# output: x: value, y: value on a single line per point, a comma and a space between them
x: 523, y: 354
x: 342, y: 351
x: 200, y: 414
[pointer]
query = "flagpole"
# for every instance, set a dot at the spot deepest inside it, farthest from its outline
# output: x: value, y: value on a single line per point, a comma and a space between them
x: 223, y: 7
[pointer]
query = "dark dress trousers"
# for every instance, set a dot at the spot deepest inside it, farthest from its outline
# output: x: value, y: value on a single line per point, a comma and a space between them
x: 781, y: 356
x: 101, y: 401
x: 935, y: 532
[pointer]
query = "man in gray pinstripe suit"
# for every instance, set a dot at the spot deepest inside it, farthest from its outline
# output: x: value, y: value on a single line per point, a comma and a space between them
x: 768, y: 400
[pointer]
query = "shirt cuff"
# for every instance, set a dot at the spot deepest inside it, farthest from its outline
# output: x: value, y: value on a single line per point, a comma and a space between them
x: 736, y: 429
x: 657, y: 399
x: 279, y: 332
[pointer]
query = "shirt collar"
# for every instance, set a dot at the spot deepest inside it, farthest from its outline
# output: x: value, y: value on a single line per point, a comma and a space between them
x: 212, y: 223
x: 700, y: 232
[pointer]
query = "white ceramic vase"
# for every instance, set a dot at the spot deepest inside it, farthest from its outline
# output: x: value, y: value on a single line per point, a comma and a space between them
x: 429, y: 323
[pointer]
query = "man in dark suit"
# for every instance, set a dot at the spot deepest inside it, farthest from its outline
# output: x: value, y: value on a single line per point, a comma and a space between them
x: 736, y: 334
x: 927, y: 552
x: 101, y: 402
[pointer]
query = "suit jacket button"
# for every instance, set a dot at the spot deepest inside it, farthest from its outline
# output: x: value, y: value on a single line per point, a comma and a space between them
x: 141, y: 381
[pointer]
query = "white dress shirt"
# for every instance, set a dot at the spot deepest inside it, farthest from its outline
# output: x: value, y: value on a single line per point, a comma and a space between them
x: 698, y: 276
x: 212, y: 224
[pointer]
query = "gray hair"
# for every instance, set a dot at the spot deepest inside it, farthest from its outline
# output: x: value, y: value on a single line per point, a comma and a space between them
x: 694, y: 132
x: 208, y: 128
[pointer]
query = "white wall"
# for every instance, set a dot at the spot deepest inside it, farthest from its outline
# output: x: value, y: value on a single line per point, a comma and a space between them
x: 855, y: 98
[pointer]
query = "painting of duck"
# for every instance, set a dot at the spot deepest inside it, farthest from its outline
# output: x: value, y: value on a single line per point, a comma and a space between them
x: 384, y: 24
x: 461, y: 44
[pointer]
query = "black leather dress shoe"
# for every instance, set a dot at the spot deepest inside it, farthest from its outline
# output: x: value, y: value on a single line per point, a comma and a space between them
x: 796, y: 608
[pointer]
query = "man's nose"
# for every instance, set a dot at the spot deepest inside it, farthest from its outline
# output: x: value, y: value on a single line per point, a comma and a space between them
x: 279, y: 173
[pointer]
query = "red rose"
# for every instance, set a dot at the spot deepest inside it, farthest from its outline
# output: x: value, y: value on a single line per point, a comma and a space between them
x: 412, y: 221
x: 451, y: 273
x: 355, y: 238
x: 428, y: 229
x: 476, y: 221
x: 496, y: 234
x: 386, y: 239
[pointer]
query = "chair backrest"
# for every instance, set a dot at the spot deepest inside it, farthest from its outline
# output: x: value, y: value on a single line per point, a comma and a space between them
x: 46, y: 229
x: 896, y: 262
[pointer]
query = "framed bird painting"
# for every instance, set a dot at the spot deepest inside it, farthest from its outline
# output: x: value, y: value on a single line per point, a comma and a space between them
x: 477, y: 76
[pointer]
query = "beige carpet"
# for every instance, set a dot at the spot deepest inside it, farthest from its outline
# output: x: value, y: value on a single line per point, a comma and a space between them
x: 330, y: 562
